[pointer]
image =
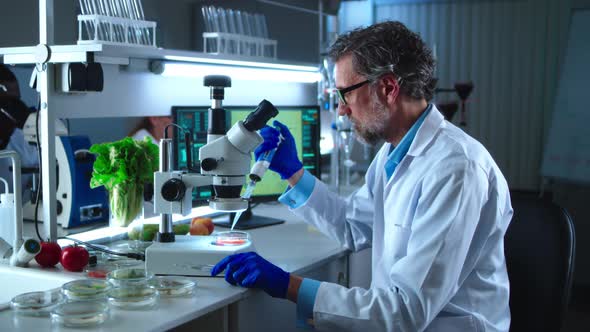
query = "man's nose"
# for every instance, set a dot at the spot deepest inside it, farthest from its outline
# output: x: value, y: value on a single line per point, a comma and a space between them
x: 343, y: 109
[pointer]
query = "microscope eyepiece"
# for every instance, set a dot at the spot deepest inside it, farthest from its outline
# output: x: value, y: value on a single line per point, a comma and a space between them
x: 220, y: 81
x: 260, y: 116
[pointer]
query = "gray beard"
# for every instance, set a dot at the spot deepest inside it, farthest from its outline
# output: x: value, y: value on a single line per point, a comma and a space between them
x: 366, y: 136
x: 373, y: 132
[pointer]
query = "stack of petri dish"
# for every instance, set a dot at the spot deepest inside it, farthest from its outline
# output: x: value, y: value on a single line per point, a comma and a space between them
x: 85, y: 303
x: 80, y: 313
x: 132, y: 289
x: 86, y: 290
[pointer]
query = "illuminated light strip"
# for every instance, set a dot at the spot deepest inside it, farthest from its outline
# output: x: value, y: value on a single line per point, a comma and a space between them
x: 113, y: 233
x: 239, y: 73
x: 242, y: 63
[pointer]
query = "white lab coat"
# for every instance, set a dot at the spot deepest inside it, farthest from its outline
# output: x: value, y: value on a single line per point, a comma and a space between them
x: 143, y: 133
x: 436, y: 229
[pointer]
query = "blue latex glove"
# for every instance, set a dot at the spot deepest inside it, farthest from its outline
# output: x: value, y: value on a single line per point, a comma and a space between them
x: 252, y: 271
x: 285, y: 161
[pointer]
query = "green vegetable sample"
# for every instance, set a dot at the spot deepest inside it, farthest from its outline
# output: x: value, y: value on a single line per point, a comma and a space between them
x: 123, y: 167
x: 150, y: 230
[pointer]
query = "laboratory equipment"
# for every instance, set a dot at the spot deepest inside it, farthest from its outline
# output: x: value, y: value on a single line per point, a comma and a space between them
x: 86, y: 290
x: 129, y: 277
x: 231, y: 238
x: 80, y: 314
x: 190, y: 255
x: 256, y: 173
x: 173, y: 286
x: 36, y: 303
x: 77, y: 203
x: 345, y: 144
x: 224, y: 163
x: 304, y: 124
x: 229, y: 31
x: 17, y: 218
x: 118, y: 22
x: 261, y: 166
x: 463, y: 91
x: 7, y: 229
x: 133, y: 298
x: 448, y: 109
x: 26, y: 252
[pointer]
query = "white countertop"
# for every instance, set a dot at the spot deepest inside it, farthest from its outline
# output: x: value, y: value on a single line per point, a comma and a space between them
x: 293, y: 246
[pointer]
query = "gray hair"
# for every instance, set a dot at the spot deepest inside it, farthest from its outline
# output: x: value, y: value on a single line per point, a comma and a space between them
x: 390, y: 48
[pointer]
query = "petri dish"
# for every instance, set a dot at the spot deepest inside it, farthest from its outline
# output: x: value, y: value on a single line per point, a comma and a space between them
x: 129, y: 277
x: 133, y: 298
x: 80, y: 314
x: 37, y: 303
x: 99, y: 271
x: 127, y: 262
x: 173, y: 286
x: 231, y: 238
x: 86, y: 290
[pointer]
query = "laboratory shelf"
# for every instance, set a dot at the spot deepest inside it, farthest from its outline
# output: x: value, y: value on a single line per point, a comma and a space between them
x: 120, y: 54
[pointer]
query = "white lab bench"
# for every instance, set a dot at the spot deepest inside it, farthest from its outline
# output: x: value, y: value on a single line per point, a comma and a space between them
x: 218, y: 306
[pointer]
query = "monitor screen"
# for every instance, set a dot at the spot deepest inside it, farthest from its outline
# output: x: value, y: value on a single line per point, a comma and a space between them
x: 302, y: 121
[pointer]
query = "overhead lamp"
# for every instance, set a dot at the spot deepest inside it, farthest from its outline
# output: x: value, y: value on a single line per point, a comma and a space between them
x: 240, y: 63
x: 288, y: 73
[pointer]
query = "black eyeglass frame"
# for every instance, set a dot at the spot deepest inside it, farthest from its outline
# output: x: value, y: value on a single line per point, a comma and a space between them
x: 343, y: 91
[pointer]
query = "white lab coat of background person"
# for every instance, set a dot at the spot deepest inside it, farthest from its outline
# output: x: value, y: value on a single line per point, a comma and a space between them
x: 29, y: 158
x: 436, y: 229
x: 143, y: 133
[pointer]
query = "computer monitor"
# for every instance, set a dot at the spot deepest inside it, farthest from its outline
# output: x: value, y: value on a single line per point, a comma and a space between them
x: 302, y: 121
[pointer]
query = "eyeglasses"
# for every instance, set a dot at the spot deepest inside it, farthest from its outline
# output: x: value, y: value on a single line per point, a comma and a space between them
x: 342, y: 92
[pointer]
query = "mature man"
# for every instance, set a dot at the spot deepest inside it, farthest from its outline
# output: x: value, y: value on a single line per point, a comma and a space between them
x: 434, y: 207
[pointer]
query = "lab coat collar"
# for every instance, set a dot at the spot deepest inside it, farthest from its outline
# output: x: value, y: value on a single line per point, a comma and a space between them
x: 433, y: 121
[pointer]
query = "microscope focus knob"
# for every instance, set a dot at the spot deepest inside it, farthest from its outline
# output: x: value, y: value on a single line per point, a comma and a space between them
x: 173, y: 190
x: 208, y: 164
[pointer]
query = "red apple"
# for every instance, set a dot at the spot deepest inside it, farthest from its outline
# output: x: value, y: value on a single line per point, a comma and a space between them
x: 49, y: 255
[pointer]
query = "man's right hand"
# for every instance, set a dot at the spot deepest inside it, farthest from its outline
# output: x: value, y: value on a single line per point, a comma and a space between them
x: 285, y: 161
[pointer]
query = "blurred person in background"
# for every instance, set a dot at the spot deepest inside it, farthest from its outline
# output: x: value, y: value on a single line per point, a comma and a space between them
x: 152, y: 127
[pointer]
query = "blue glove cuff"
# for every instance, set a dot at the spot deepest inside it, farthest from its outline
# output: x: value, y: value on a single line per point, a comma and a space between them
x: 284, y: 282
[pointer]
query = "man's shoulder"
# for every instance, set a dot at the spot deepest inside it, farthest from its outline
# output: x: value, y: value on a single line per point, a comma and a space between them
x: 452, y: 147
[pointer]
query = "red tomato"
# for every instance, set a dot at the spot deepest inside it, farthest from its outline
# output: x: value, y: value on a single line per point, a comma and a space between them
x: 49, y: 255
x: 74, y: 258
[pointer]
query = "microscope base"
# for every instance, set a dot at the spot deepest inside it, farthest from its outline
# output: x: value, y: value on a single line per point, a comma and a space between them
x: 189, y: 255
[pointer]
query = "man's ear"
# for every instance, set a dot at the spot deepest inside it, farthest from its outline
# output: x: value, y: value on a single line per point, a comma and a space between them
x: 389, y: 87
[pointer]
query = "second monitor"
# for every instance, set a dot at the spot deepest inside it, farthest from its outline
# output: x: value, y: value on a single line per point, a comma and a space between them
x: 302, y: 121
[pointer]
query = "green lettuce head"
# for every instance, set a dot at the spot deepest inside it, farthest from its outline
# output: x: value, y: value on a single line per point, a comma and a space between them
x: 123, y: 168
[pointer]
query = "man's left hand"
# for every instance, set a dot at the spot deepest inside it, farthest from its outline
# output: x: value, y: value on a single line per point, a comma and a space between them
x: 252, y: 271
